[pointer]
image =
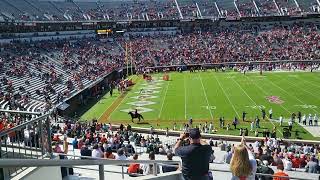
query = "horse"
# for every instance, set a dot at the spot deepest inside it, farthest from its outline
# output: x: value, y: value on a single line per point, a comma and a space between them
x: 135, y: 115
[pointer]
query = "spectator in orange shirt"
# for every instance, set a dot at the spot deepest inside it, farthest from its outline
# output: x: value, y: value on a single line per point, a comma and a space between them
x: 134, y: 168
x: 280, y: 172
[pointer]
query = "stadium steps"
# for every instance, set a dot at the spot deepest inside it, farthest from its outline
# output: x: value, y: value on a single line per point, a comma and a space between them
x: 2, y: 19
x: 68, y: 9
x: 27, y: 8
x: 208, y: 9
x: 2, y: 102
x: 58, y: 10
x: 226, y: 5
x: 32, y: 105
x: 7, y: 15
x: 306, y: 5
x: 4, y: 105
x: 48, y: 8
x: 188, y: 9
x: 9, y: 10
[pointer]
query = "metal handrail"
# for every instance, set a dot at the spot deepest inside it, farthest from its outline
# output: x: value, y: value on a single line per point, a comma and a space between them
x: 19, y: 112
x: 7, y: 163
x: 4, y: 163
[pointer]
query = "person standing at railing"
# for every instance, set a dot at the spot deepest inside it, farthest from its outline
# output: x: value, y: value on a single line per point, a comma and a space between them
x: 149, y: 168
x: 65, y: 145
x: 166, y: 168
x: 195, y: 157
x: 243, y: 164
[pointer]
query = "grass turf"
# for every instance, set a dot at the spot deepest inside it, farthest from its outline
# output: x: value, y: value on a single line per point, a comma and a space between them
x: 206, y: 96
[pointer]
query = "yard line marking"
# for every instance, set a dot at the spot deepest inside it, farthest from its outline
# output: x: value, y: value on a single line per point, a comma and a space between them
x: 185, y: 97
x: 109, y: 105
x: 165, y: 95
x: 244, y: 91
x: 225, y: 94
x: 309, y: 82
x: 267, y: 94
x: 252, y: 100
x: 254, y: 103
x: 264, y: 92
x: 205, y: 94
x: 289, y: 94
x: 304, y: 89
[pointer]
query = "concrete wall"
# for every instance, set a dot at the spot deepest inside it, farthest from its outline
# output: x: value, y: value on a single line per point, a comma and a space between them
x: 47, y: 173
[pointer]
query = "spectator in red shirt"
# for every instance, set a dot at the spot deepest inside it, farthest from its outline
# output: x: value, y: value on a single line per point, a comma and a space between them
x: 103, y: 139
x: 296, y: 162
x: 303, y: 161
x: 1, y: 126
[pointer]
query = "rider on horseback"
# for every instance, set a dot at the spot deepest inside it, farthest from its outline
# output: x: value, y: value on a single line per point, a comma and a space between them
x: 136, y: 112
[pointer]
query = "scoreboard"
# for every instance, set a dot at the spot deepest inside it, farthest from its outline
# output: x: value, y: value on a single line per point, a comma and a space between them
x: 104, y: 31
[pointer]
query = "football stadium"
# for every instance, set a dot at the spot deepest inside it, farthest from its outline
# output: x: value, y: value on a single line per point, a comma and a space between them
x: 160, y: 89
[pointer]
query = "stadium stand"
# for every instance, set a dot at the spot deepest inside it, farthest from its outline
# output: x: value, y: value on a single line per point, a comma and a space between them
x: 30, y: 10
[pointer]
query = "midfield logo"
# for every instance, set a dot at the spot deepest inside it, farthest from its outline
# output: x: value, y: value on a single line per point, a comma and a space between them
x: 144, y: 97
x: 274, y: 99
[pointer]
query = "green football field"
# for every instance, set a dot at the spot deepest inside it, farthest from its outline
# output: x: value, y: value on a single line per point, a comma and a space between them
x: 206, y: 96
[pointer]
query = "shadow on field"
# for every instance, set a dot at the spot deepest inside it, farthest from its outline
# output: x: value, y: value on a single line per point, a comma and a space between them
x: 142, y: 123
x: 91, y: 101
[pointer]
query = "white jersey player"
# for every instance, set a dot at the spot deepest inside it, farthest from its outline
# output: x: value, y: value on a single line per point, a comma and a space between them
x: 281, y: 120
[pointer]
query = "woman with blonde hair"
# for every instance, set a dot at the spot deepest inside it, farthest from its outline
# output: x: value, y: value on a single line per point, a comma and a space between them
x: 243, y: 164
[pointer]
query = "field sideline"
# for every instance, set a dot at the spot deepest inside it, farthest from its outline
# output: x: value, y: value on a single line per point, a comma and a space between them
x: 206, y: 96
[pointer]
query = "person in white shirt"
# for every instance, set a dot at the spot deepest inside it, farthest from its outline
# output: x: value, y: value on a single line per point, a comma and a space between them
x: 270, y: 114
x: 148, y: 168
x: 287, y: 164
x: 290, y: 125
x: 120, y: 155
x: 281, y: 120
x: 315, y: 119
x: 306, y: 149
x: 110, y: 140
x: 252, y: 126
x: 96, y: 152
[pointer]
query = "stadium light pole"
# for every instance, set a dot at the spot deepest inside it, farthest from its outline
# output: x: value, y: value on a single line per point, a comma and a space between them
x: 131, y: 62
x: 126, y: 56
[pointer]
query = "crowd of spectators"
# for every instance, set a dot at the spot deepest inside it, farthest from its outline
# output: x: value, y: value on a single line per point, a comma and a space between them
x: 273, y: 152
x: 29, y: 71
x: 100, y: 140
x: 279, y: 43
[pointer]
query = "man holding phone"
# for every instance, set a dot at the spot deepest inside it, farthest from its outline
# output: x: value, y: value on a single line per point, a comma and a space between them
x: 195, y: 157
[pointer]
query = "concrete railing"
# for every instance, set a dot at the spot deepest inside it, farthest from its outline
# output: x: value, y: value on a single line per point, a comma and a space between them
x: 18, y: 163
